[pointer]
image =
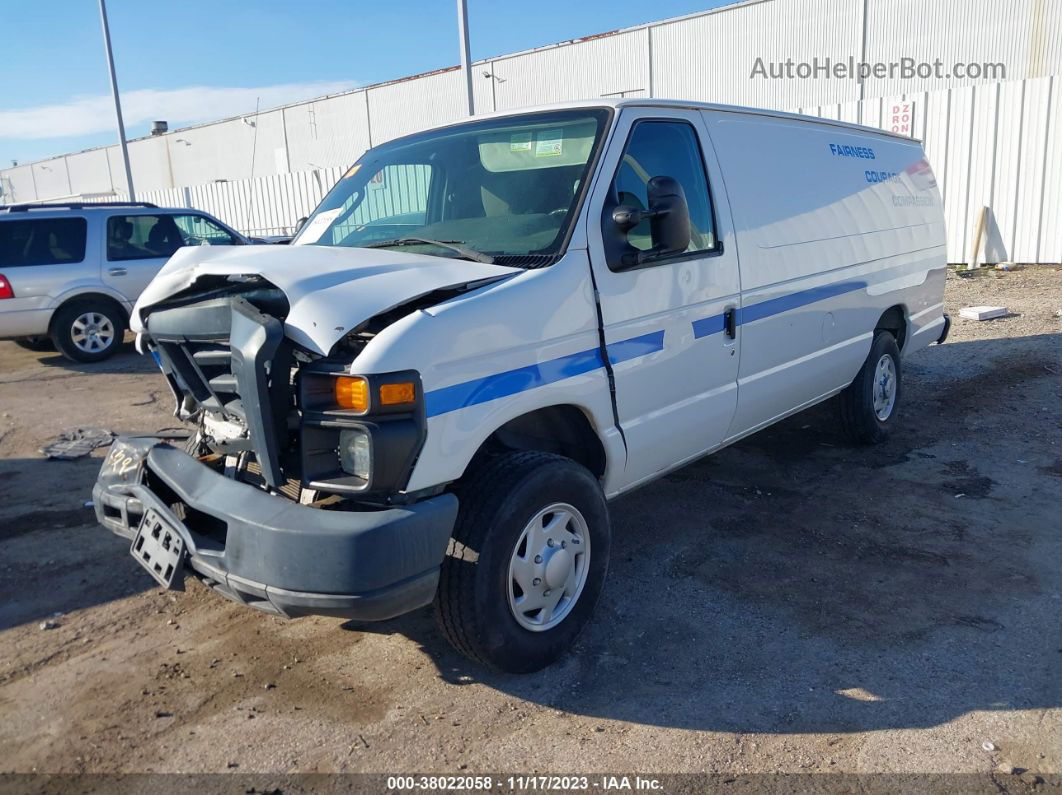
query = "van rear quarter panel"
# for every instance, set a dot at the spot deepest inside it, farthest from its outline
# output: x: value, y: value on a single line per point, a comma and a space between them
x: 833, y: 225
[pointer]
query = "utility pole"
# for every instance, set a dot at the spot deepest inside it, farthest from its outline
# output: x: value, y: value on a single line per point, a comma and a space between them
x: 466, y: 56
x: 117, y: 102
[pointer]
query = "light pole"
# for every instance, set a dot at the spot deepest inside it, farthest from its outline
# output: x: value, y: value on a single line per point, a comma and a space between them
x: 466, y: 56
x: 117, y: 102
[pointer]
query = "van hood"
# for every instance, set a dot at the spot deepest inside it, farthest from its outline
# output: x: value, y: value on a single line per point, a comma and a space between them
x: 330, y: 290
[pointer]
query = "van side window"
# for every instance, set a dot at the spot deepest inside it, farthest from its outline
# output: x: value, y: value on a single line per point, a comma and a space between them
x: 671, y: 149
x: 42, y: 241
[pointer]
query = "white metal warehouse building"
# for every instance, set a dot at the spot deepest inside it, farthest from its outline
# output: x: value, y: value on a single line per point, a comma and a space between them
x: 994, y: 140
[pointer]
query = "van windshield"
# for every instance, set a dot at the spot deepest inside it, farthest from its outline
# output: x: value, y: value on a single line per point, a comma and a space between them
x: 503, y: 190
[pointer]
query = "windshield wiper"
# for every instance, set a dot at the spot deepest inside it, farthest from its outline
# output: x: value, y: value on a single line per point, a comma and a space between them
x: 452, y: 245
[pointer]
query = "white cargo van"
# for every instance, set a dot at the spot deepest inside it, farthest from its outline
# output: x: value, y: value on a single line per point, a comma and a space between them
x: 489, y: 329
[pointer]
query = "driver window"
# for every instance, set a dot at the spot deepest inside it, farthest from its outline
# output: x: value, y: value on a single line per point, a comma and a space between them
x: 665, y: 148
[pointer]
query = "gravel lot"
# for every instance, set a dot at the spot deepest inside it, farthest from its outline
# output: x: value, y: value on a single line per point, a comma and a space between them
x: 788, y: 604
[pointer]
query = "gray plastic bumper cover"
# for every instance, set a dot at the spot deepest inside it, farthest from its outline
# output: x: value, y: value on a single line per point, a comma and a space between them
x: 273, y: 554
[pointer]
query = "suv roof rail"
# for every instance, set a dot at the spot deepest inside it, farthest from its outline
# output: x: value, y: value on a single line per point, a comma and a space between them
x: 18, y: 208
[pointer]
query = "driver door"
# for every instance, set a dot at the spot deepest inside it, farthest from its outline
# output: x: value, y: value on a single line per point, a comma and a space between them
x: 674, y: 363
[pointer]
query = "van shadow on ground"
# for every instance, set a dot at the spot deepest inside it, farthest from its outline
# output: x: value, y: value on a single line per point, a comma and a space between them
x: 793, y: 584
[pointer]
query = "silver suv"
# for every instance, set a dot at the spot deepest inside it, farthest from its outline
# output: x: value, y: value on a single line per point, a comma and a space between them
x: 70, y: 273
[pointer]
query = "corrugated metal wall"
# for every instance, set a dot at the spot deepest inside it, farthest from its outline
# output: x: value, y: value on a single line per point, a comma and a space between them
x: 611, y: 65
x: 997, y: 146
x: 1026, y: 35
x: 991, y: 143
x: 710, y: 58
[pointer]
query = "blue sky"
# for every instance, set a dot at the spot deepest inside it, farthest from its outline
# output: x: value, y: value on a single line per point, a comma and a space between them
x: 197, y: 60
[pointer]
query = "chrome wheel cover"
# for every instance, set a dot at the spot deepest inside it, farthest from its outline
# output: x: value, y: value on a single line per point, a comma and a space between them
x: 885, y: 384
x: 549, y: 567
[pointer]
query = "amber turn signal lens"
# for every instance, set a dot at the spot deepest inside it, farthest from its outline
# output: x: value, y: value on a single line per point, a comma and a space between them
x: 352, y: 392
x: 397, y: 394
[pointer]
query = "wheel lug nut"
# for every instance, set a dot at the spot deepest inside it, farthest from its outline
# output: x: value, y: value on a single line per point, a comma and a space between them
x: 545, y: 592
x: 538, y: 558
x: 550, y: 542
x: 564, y: 544
x: 536, y: 581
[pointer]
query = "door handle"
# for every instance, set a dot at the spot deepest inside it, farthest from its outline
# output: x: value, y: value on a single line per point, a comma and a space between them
x: 730, y: 322
x: 117, y: 271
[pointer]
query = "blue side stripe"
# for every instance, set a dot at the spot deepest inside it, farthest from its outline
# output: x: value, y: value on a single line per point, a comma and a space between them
x: 492, y: 387
x: 625, y: 350
x: 511, y: 382
x: 707, y: 326
x: 784, y: 303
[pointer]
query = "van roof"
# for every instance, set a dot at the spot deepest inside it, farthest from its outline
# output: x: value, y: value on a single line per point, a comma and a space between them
x: 645, y: 102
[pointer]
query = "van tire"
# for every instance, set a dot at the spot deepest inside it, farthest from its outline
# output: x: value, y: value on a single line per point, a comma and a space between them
x: 497, y: 503
x: 861, y: 420
x: 63, y: 331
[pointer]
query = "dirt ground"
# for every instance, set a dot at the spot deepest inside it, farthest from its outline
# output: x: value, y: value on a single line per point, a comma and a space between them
x: 788, y: 604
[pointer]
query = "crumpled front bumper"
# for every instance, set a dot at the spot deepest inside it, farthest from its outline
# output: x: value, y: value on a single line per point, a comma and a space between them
x: 273, y: 554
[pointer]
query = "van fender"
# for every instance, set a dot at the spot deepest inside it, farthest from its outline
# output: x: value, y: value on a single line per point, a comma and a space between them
x: 454, y: 438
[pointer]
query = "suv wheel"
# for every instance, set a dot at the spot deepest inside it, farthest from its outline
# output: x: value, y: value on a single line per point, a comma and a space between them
x: 869, y: 404
x: 526, y: 562
x: 88, y: 331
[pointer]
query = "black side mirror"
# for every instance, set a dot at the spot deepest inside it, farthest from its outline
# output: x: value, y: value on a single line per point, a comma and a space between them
x: 669, y: 221
x: 298, y: 225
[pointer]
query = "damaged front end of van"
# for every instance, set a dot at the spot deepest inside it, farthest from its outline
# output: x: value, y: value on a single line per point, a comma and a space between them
x: 289, y: 495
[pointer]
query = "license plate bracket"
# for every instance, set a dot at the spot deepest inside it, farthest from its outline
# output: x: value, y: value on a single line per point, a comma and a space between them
x: 160, y: 548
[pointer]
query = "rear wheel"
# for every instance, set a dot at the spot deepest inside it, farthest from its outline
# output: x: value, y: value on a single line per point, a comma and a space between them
x: 526, y: 562
x: 38, y: 344
x: 88, y: 330
x: 869, y: 404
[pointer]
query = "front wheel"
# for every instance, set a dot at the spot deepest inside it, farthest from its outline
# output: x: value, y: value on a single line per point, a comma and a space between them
x: 868, y: 405
x: 526, y: 563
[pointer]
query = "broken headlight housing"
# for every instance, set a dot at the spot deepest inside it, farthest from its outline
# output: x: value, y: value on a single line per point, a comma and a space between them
x: 358, y: 446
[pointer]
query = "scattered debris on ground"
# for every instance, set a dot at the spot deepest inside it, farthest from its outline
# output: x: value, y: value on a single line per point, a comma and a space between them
x: 982, y: 312
x: 77, y: 443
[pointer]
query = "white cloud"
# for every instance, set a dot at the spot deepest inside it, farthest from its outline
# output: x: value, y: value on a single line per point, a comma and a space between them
x: 91, y: 114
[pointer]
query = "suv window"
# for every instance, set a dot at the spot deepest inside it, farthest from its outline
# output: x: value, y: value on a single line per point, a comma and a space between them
x: 199, y: 230
x: 157, y: 236
x: 42, y: 241
x: 666, y: 148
